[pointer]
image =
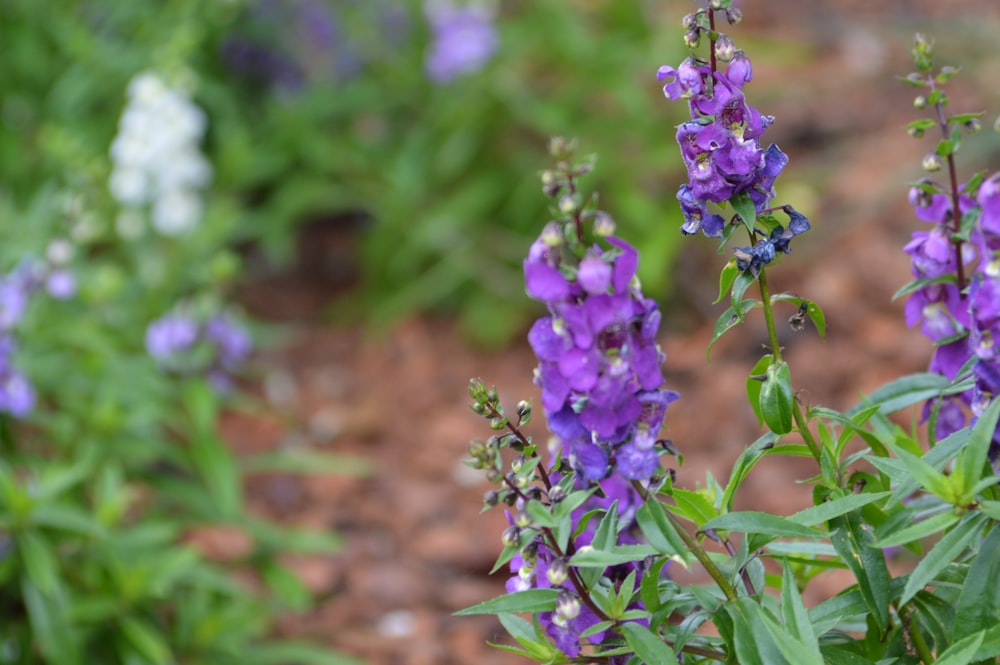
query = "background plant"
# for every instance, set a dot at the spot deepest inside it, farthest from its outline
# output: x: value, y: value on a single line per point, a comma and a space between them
x: 876, y: 487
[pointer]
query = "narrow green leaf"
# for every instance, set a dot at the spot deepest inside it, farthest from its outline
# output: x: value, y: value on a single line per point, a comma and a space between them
x: 39, y: 561
x: 762, y: 523
x: 903, y: 392
x: 728, y: 320
x: 530, y: 601
x: 943, y: 553
x: 929, y: 478
x: 650, y: 649
x: 755, y: 383
x: 217, y: 468
x: 745, y: 463
x: 751, y: 638
x: 55, y: 635
x: 978, y: 606
x: 962, y: 651
x: 794, y: 614
x: 828, y: 510
x: 145, y: 639
x: 854, y: 544
x: 305, y: 461
x: 693, y: 506
x: 300, y: 653
x: 922, y: 529
x: 588, y: 558
x: 659, y: 531
x: 726, y: 277
x: 972, y: 460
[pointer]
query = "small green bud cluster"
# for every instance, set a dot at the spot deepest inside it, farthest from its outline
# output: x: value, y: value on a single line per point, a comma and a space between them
x: 699, y: 23
x: 572, y: 209
x: 932, y: 96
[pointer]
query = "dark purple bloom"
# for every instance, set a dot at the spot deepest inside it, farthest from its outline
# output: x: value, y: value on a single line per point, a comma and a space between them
x: 756, y: 257
x: 464, y: 40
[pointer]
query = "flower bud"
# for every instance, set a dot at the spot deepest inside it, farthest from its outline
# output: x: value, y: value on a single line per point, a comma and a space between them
x: 491, y: 498
x: 478, y: 408
x: 561, y: 148
x: 690, y: 21
x: 734, y: 15
x: 567, y: 204
x: 920, y: 102
x: 557, y: 494
x: 523, y: 409
x: 477, y: 449
x: 517, y: 463
x: 557, y: 572
x: 511, y: 537
x: 692, y: 38
x: 477, y: 389
x: 725, y: 49
x: 552, y: 234
x: 492, y: 475
x: 932, y: 162
x: 492, y: 396
x: 915, y: 132
x: 716, y: 4
x: 604, y: 225
x: 498, y: 423
x: 522, y: 519
x: 567, y: 606
x: 533, y: 493
x: 973, y: 125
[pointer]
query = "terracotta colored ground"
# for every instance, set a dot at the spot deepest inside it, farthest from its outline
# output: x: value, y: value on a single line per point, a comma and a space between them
x: 416, y: 548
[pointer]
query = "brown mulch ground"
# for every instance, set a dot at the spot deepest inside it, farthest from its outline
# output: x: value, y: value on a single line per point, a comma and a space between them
x: 416, y: 548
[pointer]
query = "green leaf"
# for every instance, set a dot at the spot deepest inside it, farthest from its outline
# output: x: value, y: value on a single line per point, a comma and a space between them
x: 962, y: 651
x: 300, y: 653
x: 812, y: 310
x: 754, y: 384
x: 762, y: 523
x: 854, y: 544
x: 530, y: 601
x: 751, y: 638
x: 693, y: 506
x: 587, y: 558
x: 536, y: 645
x: 828, y: 510
x: 943, y: 553
x: 921, y: 529
x: 777, y: 398
x: 217, y: 468
x: 740, y: 286
x: 905, y: 391
x: 745, y: 208
x: 659, y: 531
x: 929, y: 478
x: 53, y: 632
x: 39, y: 561
x: 285, y: 585
x: 795, y: 616
x: 972, y: 460
x: 650, y: 649
x: 726, y: 277
x: 65, y: 518
x: 728, y: 320
x: 747, y: 460
x: 978, y: 606
x: 146, y: 639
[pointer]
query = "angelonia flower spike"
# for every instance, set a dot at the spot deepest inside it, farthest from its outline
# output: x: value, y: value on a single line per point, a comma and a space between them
x: 597, y: 521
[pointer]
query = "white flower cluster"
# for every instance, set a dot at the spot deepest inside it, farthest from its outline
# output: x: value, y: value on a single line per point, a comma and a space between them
x: 156, y: 156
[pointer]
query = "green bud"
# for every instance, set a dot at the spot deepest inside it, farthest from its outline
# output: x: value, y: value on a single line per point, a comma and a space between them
x: 692, y: 38
x: 734, y: 15
x: 477, y: 449
x: 493, y: 476
x: 725, y: 49
x: 477, y: 389
x: 920, y: 102
x: 690, y: 21
x: 491, y: 498
x: 558, y: 572
x: 511, y: 537
x: 498, y: 422
x: 561, y: 148
x: 932, y: 162
x: 973, y: 126
x: 517, y: 463
x: 567, y: 606
x: 717, y: 4
x: 552, y: 234
x: 492, y: 396
x: 524, y: 412
x: 557, y: 494
x: 522, y: 519
x: 568, y: 204
x: 915, y: 132
x: 604, y: 225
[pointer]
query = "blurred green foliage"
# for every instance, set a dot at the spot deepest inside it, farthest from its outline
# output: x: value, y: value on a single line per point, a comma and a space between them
x: 321, y: 108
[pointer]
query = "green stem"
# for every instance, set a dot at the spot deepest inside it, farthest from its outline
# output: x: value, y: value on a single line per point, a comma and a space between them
x: 772, y: 335
x: 692, y: 544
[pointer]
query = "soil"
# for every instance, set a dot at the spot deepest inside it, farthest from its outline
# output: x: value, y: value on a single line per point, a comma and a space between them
x: 416, y: 547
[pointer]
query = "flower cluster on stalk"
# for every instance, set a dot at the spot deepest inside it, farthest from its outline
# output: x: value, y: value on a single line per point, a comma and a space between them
x: 602, y: 392
x: 156, y: 157
x: 17, y: 288
x: 721, y: 142
x: 215, y: 346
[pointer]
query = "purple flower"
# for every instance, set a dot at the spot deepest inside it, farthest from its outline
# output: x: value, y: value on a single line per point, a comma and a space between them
x: 464, y: 40
x: 17, y: 395
x: 232, y: 342
x: 171, y: 335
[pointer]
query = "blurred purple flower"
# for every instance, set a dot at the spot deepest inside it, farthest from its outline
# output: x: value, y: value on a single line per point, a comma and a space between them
x: 463, y: 40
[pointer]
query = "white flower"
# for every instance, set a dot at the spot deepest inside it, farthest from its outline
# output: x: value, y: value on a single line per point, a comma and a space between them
x: 156, y: 157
